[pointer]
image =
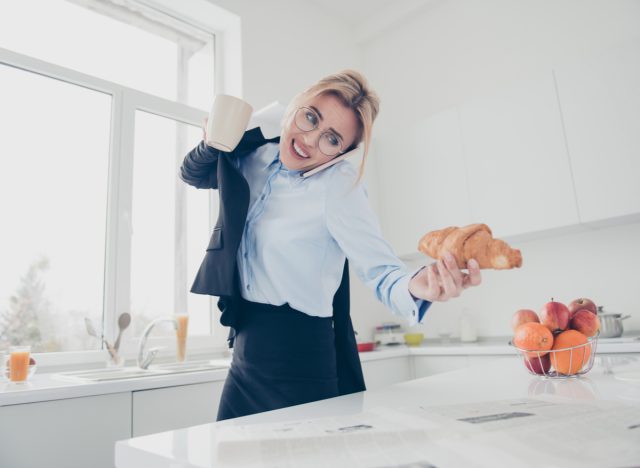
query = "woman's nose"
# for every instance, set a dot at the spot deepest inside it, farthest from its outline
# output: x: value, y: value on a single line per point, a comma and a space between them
x: 310, y: 139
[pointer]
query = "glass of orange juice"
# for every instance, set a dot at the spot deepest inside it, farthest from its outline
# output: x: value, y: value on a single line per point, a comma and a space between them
x: 18, y: 363
x: 181, y: 336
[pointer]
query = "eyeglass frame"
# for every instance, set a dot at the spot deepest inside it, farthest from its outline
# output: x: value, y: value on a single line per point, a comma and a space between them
x: 341, y: 151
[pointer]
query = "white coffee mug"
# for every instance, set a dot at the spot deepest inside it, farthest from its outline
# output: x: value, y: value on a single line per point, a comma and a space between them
x: 227, y: 122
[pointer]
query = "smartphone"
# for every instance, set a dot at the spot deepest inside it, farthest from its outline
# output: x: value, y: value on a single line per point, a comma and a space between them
x: 330, y: 163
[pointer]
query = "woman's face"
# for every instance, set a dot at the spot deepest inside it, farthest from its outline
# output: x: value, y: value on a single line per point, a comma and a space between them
x: 299, y: 150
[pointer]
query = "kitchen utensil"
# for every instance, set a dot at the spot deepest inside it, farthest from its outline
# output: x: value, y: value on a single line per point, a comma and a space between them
x: 123, y: 322
x: 610, y: 324
x: 575, y: 353
x: 413, y: 339
x: 92, y: 331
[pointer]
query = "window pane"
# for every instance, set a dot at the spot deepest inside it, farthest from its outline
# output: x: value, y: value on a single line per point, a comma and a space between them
x: 53, y: 199
x: 163, y: 263
x: 144, y: 50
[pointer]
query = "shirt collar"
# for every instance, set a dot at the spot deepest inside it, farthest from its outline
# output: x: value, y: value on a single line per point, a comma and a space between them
x: 281, y: 167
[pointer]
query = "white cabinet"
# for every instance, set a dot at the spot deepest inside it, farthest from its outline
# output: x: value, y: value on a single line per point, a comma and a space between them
x: 444, y: 195
x: 600, y: 101
x: 425, y: 366
x: 518, y: 169
x: 383, y: 372
x: 165, y: 409
x: 78, y: 432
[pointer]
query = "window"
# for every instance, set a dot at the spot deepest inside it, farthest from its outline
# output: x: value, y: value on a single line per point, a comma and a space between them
x: 95, y: 219
x: 53, y: 198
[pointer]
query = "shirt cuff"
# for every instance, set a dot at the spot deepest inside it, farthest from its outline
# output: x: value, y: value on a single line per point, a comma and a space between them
x: 418, y: 307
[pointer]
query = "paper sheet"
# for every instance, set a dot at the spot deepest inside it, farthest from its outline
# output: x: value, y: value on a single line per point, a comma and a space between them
x: 518, y: 432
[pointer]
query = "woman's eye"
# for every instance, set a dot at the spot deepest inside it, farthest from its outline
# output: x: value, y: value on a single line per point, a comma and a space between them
x: 333, y: 140
x: 312, y: 118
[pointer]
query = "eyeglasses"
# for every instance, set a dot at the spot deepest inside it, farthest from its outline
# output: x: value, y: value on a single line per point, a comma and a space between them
x: 307, y: 120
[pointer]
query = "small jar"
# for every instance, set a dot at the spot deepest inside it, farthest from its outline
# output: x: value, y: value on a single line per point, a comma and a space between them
x: 467, y: 330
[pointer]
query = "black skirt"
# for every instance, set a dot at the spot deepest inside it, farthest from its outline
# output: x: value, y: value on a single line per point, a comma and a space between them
x: 281, y: 357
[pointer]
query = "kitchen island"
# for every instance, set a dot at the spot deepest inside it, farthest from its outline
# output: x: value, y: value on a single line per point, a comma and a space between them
x: 601, y: 410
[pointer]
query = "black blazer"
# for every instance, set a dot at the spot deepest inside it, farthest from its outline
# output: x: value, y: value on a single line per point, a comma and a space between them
x: 206, y: 167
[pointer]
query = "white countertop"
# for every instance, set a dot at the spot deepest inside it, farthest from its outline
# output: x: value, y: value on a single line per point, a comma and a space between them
x: 46, y: 387
x: 502, y: 379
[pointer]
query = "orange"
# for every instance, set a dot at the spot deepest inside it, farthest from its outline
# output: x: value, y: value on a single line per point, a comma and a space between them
x: 570, y: 361
x: 533, y: 336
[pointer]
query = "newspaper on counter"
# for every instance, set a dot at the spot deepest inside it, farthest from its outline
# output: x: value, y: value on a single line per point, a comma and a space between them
x: 518, y: 432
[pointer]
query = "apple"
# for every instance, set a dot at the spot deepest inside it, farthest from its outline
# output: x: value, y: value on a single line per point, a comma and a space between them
x: 523, y: 316
x: 580, y: 304
x: 555, y: 316
x: 538, y: 365
x: 585, y: 322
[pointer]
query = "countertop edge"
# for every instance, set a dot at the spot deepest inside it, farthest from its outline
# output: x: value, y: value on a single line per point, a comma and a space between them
x: 78, y: 390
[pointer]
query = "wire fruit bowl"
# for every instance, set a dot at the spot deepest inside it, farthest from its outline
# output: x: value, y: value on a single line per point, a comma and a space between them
x: 560, y: 363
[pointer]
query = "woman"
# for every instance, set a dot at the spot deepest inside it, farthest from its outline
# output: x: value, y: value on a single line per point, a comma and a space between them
x: 277, y: 256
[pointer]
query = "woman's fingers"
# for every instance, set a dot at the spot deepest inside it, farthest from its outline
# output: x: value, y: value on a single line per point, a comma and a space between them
x: 204, y: 128
x: 448, y: 284
x: 473, y: 278
x: 433, y: 285
x: 452, y: 265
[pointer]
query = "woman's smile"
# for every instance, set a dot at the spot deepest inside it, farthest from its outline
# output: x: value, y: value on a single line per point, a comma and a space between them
x: 297, y: 151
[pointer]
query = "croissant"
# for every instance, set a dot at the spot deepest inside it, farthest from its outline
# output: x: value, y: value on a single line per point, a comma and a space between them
x: 473, y: 241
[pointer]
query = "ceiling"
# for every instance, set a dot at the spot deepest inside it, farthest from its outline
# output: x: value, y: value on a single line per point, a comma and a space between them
x: 354, y: 12
x: 371, y: 17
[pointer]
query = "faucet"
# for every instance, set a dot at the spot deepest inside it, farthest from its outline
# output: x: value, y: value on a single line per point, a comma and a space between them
x: 145, y: 361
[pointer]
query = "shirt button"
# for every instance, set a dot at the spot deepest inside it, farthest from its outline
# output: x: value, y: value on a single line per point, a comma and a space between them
x: 248, y: 286
x: 262, y: 197
x: 245, y: 255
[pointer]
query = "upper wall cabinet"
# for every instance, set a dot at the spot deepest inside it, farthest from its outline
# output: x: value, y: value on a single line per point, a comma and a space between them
x: 515, y: 153
x: 433, y: 193
x: 445, y: 196
x: 600, y: 102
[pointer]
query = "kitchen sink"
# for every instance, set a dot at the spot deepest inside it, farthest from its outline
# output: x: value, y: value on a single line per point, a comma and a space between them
x: 134, y: 372
x: 187, y: 366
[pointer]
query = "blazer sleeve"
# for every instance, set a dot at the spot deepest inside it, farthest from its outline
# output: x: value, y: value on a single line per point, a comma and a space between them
x: 200, y: 167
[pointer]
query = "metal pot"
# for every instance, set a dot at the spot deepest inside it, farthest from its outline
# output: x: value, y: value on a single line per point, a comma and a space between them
x: 611, y: 324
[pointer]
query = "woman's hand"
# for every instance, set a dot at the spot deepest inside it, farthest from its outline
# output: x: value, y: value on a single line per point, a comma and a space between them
x: 443, y: 280
x: 204, y: 129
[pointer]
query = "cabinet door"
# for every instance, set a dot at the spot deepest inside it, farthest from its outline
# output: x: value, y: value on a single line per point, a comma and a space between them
x: 77, y: 432
x: 444, y: 197
x: 165, y: 409
x: 516, y: 158
x: 435, y: 192
x: 428, y: 365
x: 600, y: 101
x: 383, y: 372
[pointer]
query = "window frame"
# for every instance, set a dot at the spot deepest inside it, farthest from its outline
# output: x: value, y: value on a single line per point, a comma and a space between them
x: 225, y: 28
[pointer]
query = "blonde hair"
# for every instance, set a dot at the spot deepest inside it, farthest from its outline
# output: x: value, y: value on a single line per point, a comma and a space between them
x: 352, y: 89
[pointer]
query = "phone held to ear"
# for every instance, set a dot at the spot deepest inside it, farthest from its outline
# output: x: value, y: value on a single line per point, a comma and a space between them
x: 330, y: 163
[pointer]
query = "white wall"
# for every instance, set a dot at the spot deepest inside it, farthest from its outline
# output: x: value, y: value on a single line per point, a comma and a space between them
x: 448, y: 52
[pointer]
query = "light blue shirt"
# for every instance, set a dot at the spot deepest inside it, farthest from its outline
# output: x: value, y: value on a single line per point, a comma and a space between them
x: 298, y: 232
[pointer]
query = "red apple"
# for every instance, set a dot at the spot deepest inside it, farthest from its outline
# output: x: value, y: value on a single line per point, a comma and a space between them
x: 555, y: 316
x: 538, y: 365
x: 523, y: 316
x: 585, y: 322
x: 582, y: 303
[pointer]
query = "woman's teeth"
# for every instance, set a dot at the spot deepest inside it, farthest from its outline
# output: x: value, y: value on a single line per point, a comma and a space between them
x: 299, y: 152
